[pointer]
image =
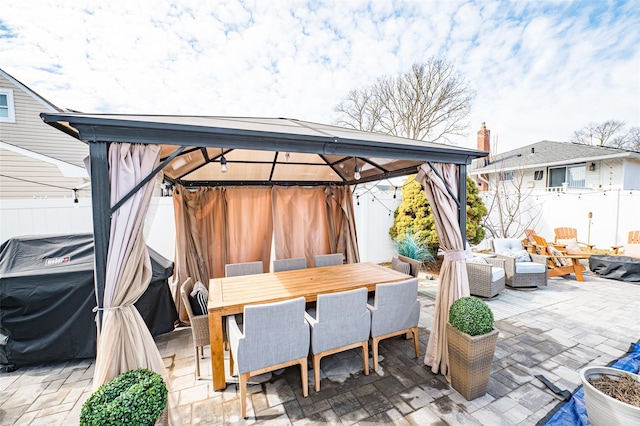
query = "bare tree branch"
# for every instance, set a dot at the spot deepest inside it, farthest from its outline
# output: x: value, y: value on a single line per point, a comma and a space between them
x: 429, y: 102
x: 608, y: 133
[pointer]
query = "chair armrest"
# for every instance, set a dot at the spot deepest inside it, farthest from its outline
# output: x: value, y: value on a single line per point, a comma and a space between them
x: 509, y: 263
x: 478, y: 267
x: 495, y: 261
x: 538, y: 258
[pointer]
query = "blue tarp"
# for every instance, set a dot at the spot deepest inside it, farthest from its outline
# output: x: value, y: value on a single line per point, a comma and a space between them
x: 574, y: 412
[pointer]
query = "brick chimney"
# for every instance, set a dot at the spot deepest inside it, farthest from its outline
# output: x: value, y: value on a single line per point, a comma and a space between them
x: 484, y: 138
x: 484, y: 144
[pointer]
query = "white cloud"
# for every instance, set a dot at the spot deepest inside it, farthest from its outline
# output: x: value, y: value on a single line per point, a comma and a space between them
x: 541, y: 69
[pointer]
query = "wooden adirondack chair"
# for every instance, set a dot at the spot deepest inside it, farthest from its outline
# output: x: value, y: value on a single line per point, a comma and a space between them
x: 561, y: 263
x: 634, y: 238
x: 565, y: 233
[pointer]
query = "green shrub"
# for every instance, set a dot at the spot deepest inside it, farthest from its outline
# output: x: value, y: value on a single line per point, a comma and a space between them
x: 471, y: 315
x: 137, y: 397
x: 409, y: 246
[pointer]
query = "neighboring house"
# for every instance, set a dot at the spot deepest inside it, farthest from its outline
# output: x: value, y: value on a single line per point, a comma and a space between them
x: 558, y: 166
x: 595, y: 189
x: 36, y: 160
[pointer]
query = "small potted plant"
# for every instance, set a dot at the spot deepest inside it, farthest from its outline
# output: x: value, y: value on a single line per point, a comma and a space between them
x: 471, y: 341
x: 136, y: 397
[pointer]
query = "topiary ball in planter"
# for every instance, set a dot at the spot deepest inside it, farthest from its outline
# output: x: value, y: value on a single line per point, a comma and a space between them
x: 471, y: 315
x: 137, y: 397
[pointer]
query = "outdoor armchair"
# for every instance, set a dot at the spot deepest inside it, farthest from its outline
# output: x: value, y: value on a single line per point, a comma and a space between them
x: 271, y: 336
x: 328, y: 259
x: 246, y: 268
x: 340, y: 321
x: 486, y: 274
x: 199, y: 324
x: 289, y: 264
x: 522, y: 269
x: 632, y: 248
x: 395, y: 311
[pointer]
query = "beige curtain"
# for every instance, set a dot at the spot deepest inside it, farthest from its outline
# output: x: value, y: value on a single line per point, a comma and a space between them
x: 124, y: 342
x: 189, y: 256
x: 249, y: 225
x: 211, y: 217
x: 300, y: 227
x: 454, y: 282
x: 341, y: 223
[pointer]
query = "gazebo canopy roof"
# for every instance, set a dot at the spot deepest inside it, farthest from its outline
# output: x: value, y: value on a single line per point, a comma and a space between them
x: 262, y: 151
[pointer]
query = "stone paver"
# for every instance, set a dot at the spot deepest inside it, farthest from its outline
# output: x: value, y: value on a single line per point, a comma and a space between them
x: 592, y: 323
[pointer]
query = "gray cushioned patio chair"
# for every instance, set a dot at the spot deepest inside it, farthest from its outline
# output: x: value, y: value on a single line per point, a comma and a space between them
x: 520, y: 271
x: 246, y: 268
x: 486, y: 274
x: 289, y: 264
x: 400, y: 266
x: 199, y: 324
x: 328, y: 259
x: 339, y: 322
x: 395, y: 311
x: 271, y: 336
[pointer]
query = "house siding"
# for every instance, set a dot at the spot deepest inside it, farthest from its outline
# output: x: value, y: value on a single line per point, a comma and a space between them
x: 25, y: 177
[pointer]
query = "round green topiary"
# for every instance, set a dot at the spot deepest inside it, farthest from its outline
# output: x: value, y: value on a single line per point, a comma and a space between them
x: 137, y: 397
x: 471, y: 315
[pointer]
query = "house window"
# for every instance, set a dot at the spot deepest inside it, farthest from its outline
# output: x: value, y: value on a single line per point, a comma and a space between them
x: 7, y: 112
x: 538, y: 174
x: 574, y: 176
x: 508, y: 175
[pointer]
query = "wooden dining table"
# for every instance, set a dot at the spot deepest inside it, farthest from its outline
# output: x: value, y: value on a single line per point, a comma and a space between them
x: 229, y: 296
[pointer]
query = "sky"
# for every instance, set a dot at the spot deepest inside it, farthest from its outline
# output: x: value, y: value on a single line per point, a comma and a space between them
x: 540, y: 69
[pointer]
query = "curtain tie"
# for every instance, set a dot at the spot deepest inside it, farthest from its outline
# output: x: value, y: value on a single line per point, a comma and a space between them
x: 96, y: 309
x: 453, y: 255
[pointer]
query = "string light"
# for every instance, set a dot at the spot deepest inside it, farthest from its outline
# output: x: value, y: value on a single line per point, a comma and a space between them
x: 223, y: 162
x: 356, y: 174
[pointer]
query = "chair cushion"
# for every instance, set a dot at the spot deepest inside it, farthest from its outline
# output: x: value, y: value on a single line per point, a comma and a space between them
x: 571, y: 244
x: 530, y: 267
x: 198, y: 299
x: 501, y: 245
x: 496, y: 273
x: 476, y: 259
x: 400, y: 266
x: 559, y: 261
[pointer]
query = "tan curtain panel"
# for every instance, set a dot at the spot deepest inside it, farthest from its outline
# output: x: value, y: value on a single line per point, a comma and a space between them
x: 189, y: 256
x: 300, y: 226
x: 454, y: 281
x: 341, y: 223
x: 249, y: 225
x: 124, y: 342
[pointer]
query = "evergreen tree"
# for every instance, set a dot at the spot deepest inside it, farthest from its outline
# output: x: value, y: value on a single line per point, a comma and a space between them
x: 414, y: 215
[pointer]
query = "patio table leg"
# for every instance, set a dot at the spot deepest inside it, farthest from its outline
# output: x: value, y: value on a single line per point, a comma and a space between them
x: 217, y: 351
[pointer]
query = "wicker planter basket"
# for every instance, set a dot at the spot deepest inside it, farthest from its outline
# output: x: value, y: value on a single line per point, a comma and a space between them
x: 470, y: 360
x: 602, y: 409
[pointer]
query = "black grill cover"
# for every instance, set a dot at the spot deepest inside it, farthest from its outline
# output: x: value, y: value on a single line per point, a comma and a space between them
x: 47, y: 296
x: 623, y: 268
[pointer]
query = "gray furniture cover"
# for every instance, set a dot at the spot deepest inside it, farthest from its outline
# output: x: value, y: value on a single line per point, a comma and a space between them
x: 623, y: 268
x: 47, y: 296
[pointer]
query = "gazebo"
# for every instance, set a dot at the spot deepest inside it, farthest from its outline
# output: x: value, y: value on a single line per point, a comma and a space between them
x: 128, y: 151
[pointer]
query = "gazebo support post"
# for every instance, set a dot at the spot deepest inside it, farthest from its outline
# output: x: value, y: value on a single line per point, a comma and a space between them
x: 101, y: 200
x: 462, y: 201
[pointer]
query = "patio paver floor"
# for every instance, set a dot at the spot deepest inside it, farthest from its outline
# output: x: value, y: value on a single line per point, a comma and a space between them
x: 554, y: 331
